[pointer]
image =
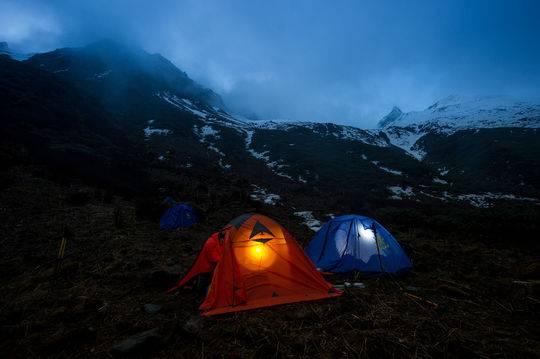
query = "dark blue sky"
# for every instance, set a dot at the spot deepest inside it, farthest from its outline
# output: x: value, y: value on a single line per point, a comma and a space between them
x: 339, y: 61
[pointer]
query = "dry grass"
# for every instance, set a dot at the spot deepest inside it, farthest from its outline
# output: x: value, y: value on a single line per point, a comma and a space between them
x: 461, y: 300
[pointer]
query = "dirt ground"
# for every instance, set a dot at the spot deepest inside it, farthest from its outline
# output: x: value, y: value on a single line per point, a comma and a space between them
x: 462, y: 299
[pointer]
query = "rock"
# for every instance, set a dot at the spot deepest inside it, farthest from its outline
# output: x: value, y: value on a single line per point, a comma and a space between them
x: 452, y: 291
x: 152, y: 308
x: 193, y: 325
x: 142, y: 342
x: 412, y: 288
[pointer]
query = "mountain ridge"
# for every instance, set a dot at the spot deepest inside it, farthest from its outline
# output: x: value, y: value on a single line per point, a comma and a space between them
x: 468, y: 112
x: 152, y: 103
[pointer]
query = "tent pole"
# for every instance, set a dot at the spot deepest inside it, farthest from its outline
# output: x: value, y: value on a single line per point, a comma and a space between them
x: 377, y: 243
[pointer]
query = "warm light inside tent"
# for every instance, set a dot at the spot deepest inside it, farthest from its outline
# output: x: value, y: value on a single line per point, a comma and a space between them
x: 256, y: 256
x: 257, y: 253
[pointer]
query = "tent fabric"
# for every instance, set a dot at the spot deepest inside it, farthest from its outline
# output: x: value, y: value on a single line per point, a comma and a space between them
x: 356, y: 243
x: 178, y: 216
x: 206, y: 260
x: 261, y: 265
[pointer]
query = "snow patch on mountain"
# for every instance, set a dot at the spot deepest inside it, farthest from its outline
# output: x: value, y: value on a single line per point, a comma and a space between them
x: 386, y: 169
x: 181, y: 103
x: 149, y: 131
x: 399, y: 193
x: 207, y: 134
x: 406, y: 139
x: 369, y: 137
x: 263, y: 195
x: 365, y: 136
x: 309, y: 220
x: 274, y: 166
x: 439, y: 181
x: 480, y: 200
x: 443, y: 171
x: 486, y: 200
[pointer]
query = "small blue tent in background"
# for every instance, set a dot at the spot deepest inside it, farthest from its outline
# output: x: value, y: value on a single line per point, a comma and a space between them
x: 356, y: 243
x: 179, y: 215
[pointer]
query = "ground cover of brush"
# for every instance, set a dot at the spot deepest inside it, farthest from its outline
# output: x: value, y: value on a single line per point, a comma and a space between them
x: 464, y: 298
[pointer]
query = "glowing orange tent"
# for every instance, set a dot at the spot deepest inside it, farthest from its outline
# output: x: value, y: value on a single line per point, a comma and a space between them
x: 206, y: 261
x: 261, y: 265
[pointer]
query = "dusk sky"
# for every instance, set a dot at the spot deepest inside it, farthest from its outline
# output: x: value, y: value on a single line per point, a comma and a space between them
x: 344, y: 61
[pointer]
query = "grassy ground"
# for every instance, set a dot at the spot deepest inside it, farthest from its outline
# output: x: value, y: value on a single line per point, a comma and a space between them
x: 465, y: 297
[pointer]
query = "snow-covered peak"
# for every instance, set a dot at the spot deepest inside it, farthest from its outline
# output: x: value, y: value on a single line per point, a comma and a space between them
x: 391, y: 117
x: 455, y: 112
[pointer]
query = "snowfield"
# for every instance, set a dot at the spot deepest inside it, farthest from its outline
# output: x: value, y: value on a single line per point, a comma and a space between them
x: 406, y: 140
x: 453, y: 113
x: 460, y: 112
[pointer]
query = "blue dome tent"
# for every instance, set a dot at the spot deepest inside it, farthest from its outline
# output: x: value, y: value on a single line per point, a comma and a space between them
x: 356, y: 243
x: 179, y: 215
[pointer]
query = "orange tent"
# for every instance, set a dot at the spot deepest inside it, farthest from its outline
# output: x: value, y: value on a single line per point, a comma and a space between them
x: 261, y: 265
x: 206, y: 261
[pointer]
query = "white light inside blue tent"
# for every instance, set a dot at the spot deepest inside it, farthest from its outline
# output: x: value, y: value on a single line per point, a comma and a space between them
x: 366, y: 234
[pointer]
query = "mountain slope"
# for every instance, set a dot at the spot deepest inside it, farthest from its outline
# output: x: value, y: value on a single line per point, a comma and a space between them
x: 180, y: 126
x: 480, y: 144
x: 111, y: 68
x: 44, y: 118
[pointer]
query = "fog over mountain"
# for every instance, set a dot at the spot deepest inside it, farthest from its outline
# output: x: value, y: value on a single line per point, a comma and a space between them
x: 347, y: 63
